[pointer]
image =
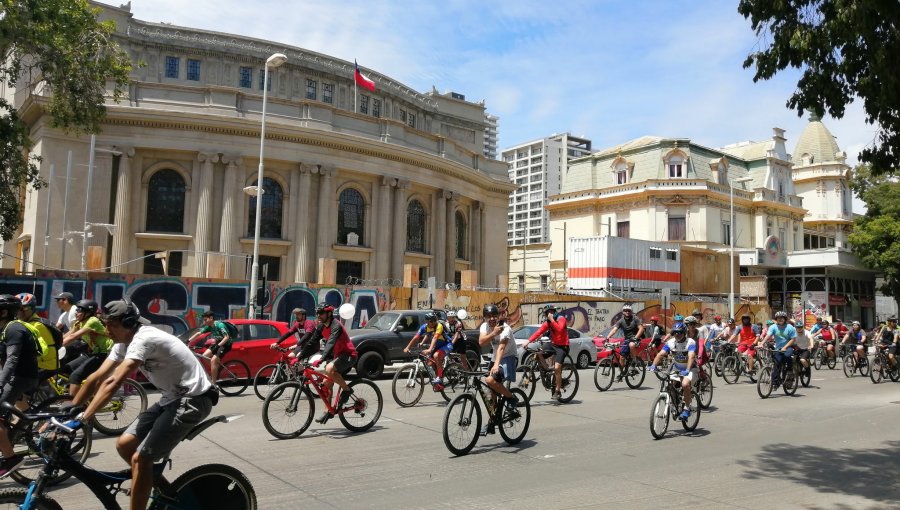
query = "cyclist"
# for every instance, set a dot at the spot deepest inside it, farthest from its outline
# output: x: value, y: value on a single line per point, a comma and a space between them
x: 496, y: 332
x: 19, y: 374
x: 27, y: 314
x: 827, y: 335
x: 303, y: 328
x: 66, y: 302
x: 457, y: 335
x: 747, y: 335
x: 657, y: 332
x: 890, y: 339
x: 187, y: 393
x: 696, y: 332
x: 803, y: 344
x: 555, y: 323
x: 783, y: 334
x: 221, y: 342
x: 814, y: 330
x: 339, y: 353
x: 90, y: 329
x: 438, y: 347
x: 840, y: 329
x: 684, y: 354
x: 632, y: 329
x: 856, y: 337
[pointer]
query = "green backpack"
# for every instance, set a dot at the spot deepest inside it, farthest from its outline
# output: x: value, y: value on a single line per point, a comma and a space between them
x: 45, y: 351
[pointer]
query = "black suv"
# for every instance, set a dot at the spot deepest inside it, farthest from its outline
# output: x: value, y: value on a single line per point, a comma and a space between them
x: 386, y: 334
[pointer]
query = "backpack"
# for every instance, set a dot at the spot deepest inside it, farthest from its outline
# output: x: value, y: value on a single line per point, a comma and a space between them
x: 233, y: 332
x: 49, y: 357
x: 45, y: 352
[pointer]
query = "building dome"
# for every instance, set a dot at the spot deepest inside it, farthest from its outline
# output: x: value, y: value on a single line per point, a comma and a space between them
x: 816, y: 144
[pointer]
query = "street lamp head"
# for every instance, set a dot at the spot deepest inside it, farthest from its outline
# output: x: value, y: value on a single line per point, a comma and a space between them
x: 276, y: 60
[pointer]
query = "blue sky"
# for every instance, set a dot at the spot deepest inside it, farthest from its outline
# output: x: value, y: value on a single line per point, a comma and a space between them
x: 609, y: 70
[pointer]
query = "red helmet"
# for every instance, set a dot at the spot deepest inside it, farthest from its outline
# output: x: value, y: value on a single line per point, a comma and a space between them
x: 655, y: 318
x: 717, y: 317
x: 27, y: 299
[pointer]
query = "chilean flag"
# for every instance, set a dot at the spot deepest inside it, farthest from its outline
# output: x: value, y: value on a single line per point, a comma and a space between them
x: 362, y: 80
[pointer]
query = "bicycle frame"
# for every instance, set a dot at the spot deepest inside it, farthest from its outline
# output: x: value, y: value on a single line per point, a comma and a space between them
x: 318, y: 381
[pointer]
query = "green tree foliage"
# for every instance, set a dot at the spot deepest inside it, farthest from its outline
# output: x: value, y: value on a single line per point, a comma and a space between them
x: 876, y: 235
x: 845, y: 49
x: 61, y: 53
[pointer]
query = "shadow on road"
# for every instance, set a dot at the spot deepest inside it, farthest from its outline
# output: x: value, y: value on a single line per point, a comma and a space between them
x: 837, y: 471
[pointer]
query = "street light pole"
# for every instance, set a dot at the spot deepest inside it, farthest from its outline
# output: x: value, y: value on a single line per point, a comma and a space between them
x: 731, y: 239
x: 275, y: 60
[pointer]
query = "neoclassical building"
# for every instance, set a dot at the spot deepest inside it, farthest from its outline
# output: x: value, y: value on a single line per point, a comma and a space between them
x: 370, y: 186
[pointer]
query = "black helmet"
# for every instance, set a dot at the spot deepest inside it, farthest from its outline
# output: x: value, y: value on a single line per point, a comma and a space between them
x: 490, y: 310
x: 430, y: 316
x: 324, y: 308
x: 678, y: 328
x: 11, y: 303
x: 87, y: 304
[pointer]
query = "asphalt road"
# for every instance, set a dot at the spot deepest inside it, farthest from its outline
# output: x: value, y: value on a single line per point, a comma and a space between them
x: 833, y: 445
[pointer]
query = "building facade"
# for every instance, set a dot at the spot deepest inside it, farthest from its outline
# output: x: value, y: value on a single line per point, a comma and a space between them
x: 365, y: 184
x: 491, y: 135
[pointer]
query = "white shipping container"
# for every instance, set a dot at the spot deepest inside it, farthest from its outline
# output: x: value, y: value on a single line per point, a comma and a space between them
x: 617, y: 263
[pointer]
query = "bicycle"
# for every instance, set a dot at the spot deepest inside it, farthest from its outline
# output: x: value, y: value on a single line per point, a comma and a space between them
x: 704, y: 387
x: 462, y: 419
x: 208, y: 486
x: 409, y: 382
x: 790, y: 376
x: 670, y: 404
x: 538, y: 368
x: 605, y: 371
x: 234, y: 374
x: 293, y: 402
x: 881, y: 366
x: 852, y: 364
x: 736, y: 364
x: 822, y: 357
x: 126, y: 404
x: 273, y: 374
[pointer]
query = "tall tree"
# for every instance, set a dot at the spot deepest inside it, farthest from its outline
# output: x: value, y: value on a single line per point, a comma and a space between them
x: 876, y: 235
x: 845, y: 49
x: 58, y: 50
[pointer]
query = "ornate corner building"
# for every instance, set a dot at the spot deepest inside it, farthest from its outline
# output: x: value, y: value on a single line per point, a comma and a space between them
x: 375, y: 184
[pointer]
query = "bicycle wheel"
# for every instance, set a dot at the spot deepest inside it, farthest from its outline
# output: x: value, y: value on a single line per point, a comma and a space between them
x: 720, y: 364
x: 569, y: 385
x: 731, y: 370
x: 288, y: 410
x: 13, y: 498
x: 527, y: 380
x: 864, y: 365
x: 789, y: 381
x: 126, y: 404
x: 268, y: 377
x: 693, y: 420
x: 764, y: 382
x: 893, y: 371
x: 635, y: 373
x: 234, y: 377
x: 408, y: 386
x: 454, y: 381
x: 514, y: 421
x: 817, y: 361
x: 662, y: 370
x: 210, y: 486
x: 462, y: 424
x: 363, y: 409
x: 849, y: 366
x: 805, y: 376
x: 659, y: 417
x: 705, y: 389
x: 876, y: 371
x: 831, y: 361
x: 604, y: 373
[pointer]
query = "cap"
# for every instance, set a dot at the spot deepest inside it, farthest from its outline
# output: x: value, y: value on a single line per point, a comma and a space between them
x: 696, y: 312
x: 121, y: 310
x: 298, y: 310
x: 68, y: 296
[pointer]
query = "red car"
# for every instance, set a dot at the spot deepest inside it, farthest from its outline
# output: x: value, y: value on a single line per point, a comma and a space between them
x: 252, y: 347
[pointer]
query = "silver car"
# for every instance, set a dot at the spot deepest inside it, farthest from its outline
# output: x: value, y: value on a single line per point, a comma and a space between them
x: 581, y: 348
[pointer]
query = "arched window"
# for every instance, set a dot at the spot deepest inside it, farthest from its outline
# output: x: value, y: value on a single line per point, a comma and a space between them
x: 351, y: 215
x: 165, y: 202
x: 415, y: 227
x: 461, y: 236
x: 272, y: 204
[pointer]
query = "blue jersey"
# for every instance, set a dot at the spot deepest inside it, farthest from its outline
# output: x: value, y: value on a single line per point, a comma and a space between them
x: 680, y: 351
x: 782, y: 335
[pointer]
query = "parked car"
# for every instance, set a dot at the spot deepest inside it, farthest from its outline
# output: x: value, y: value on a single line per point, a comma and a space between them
x: 252, y: 347
x: 581, y: 348
x: 386, y: 334
x: 602, y: 352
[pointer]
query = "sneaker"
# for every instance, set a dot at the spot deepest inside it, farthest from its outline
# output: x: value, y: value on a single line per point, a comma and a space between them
x: 324, y: 418
x: 10, y: 464
x: 345, y: 396
x: 487, y: 429
x: 437, y: 381
x: 620, y: 377
x: 556, y: 395
x: 684, y: 415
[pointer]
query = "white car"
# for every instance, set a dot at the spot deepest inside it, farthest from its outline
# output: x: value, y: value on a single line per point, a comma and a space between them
x: 581, y: 348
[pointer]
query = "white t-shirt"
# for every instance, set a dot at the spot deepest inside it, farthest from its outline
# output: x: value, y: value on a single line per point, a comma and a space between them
x: 802, y: 340
x: 680, y: 350
x: 510, y: 349
x: 167, y: 363
x: 67, y: 318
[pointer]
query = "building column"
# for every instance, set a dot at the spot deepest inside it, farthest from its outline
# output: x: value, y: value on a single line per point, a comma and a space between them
x: 398, y: 252
x: 450, y: 245
x: 204, y: 212
x: 382, y: 240
x: 478, y: 250
x: 303, y: 267
x: 327, y: 216
x: 439, y: 238
x: 228, y: 232
x: 122, y: 240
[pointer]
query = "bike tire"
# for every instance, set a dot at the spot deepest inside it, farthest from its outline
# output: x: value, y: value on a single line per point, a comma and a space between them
x: 731, y: 371
x: 659, y: 417
x: 789, y: 382
x: 864, y: 365
x: 764, y: 382
x: 832, y: 361
x: 693, y: 420
x: 662, y: 370
x: 17, y: 497
x: 876, y: 371
x: 705, y: 389
x: 363, y: 409
x: 234, y: 377
x: 570, y: 381
x: 635, y: 372
x: 129, y: 401
x: 805, y: 376
x: 269, y: 377
x: 849, y: 366
x: 408, y: 386
x: 210, y: 486
x: 817, y: 361
x: 526, y: 380
x: 513, y: 429
x: 604, y: 373
x: 454, y: 381
x: 287, y: 410
x: 459, y: 432
x: 893, y: 372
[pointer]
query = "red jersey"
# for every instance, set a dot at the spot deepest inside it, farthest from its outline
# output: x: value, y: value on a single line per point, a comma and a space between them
x: 337, y: 341
x: 558, y: 333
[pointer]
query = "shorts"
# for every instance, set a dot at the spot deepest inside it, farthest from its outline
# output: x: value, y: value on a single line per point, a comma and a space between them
x: 220, y: 350
x: 84, y: 366
x: 693, y: 376
x: 891, y: 349
x: 624, y: 350
x: 560, y: 352
x: 459, y: 346
x: 161, y: 428
x: 507, y: 370
x: 445, y: 347
x: 748, y: 348
x: 343, y: 363
x: 16, y: 387
x: 802, y: 353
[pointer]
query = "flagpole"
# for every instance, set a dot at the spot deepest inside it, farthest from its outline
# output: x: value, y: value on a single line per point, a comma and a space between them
x: 355, y: 87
